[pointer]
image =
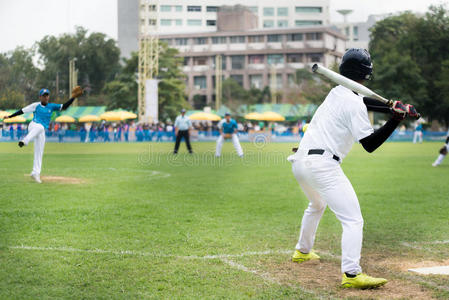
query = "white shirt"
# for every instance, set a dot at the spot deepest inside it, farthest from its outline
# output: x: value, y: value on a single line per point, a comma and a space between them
x: 339, y: 121
x: 183, y: 122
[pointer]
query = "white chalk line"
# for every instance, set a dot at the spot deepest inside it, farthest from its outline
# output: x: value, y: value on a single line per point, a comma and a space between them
x: 423, y: 246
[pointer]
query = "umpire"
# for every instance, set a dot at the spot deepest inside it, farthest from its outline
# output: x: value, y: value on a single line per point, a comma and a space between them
x: 182, y: 126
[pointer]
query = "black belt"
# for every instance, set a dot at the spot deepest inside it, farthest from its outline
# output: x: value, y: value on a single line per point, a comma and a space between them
x: 321, y: 152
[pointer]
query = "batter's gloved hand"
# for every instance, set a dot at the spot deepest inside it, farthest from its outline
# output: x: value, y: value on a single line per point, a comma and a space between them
x: 411, y: 111
x: 399, y: 110
x: 77, y: 91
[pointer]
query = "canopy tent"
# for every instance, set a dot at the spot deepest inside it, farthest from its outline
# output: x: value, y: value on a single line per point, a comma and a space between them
x: 291, y: 112
x: 65, y: 119
x: 16, y: 119
x: 118, y: 115
x: 253, y: 116
x: 89, y: 118
x: 3, y: 113
x: 204, y: 116
x: 80, y: 111
x: 271, y: 116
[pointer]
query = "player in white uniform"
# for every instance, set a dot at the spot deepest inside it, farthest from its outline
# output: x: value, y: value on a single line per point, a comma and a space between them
x: 228, y: 130
x: 340, y: 120
x: 42, y: 112
x: 443, y: 152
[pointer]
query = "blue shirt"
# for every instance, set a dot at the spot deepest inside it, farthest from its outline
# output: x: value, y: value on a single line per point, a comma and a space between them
x: 228, y: 127
x: 42, y: 114
x: 183, y: 122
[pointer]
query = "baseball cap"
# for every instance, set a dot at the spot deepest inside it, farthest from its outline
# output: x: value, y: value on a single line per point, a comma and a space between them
x: 44, y: 91
x: 227, y: 114
x: 183, y: 110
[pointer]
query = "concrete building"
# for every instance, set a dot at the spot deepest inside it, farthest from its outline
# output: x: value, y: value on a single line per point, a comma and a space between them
x: 190, y: 16
x: 251, y: 57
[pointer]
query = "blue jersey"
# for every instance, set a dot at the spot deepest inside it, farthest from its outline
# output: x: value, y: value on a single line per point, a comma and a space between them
x: 42, y: 114
x: 228, y: 127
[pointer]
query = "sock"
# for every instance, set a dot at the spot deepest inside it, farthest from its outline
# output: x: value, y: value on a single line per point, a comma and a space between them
x: 350, y: 275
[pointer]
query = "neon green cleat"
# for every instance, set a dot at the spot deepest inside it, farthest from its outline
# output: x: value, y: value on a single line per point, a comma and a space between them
x: 301, y: 257
x: 362, y: 281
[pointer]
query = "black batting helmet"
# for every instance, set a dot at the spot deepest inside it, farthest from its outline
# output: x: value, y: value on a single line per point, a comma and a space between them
x: 356, y: 64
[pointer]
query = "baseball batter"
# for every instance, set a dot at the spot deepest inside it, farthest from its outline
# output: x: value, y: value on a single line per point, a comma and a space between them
x: 228, y: 130
x: 340, y: 120
x: 42, y: 112
x: 443, y: 152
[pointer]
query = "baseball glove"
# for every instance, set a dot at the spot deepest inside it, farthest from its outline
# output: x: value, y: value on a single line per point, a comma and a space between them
x: 443, y: 150
x: 77, y: 91
x: 227, y: 135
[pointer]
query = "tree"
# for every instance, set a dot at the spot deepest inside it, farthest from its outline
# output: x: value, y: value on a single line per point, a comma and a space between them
x: 309, y: 88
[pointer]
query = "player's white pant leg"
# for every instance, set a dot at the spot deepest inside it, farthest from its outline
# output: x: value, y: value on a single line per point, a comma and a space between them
x: 34, y: 129
x: 415, y: 136
x: 220, y: 142
x: 420, y: 137
x: 236, y: 142
x: 439, y: 160
x: 325, y: 177
x: 39, y: 144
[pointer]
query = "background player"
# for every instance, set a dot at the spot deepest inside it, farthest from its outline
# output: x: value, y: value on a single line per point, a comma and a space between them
x: 443, y: 152
x: 417, y: 134
x: 228, y: 130
x: 42, y: 112
x: 339, y: 121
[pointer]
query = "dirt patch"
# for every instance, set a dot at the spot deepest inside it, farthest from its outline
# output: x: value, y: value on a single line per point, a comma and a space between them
x: 62, y: 179
x: 324, y: 278
x: 405, y: 264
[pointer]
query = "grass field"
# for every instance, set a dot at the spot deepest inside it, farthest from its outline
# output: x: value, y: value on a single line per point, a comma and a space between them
x: 133, y: 221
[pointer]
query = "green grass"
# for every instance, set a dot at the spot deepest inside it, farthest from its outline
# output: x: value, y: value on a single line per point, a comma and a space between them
x: 140, y: 198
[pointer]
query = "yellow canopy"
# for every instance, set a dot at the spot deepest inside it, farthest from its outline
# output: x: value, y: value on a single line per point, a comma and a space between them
x: 271, y: 116
x: 89, y: 118
x: 204, y: 116
x: 117, y: 115
x: 3, y: 114
x: 128, y: 114
x: 16, y: 119
x: 65, y: 119
x: 253, y: 116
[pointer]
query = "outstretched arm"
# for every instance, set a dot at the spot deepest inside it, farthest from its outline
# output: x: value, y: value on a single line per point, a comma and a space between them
x: 76, y: 92
x: 17, y: 113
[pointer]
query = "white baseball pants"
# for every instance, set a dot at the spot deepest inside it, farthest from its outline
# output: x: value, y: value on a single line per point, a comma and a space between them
x: 440, y: 158
x: 235, y: 142
x: 417, y: 136
x: 36, y: 132
x: 324, y: 183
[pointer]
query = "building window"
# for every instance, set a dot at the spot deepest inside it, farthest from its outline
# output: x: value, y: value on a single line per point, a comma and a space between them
x: 256, y: 81
x: 294, y: 37
x: 168, y: 41
x: 200, y: 41
x: 165, y: 7
x: 152, y: 22
x: 268, y: 23
x: 268, y: 11
x: 152, y: 7
x: 199, y: 82
x: 194, y: 22
x: 291, y: 80
x: 299, y: 23
x: 200, y: 61
x: 254, y: 9
x: 223, y: 62
x: 308, y: 9
x: 240, y: 39
x: 180, y: 41
x: 278, y: 81
x: 186, y: 61
x: 165, y: 22
x: 256, y: 59
x: 282, y: 23
x: 275, y: 59
x: 178, y: 8
x: 211, y: 23
x: 355, y: 31
x: 178, y: 22
x: 219, y: 40
x: 237, y: 62
x: 212, y: 8
x: 193, y: 8
x: 255, y: 39
x: 314, y: 36
x: 315, y: 57
x: 294, y: 58
x: 283, y: 11
x: 274, y: 38
x: 238, y: 78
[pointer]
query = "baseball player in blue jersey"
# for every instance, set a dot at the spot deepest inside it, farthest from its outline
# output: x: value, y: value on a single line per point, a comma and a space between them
x: 228, y: 130
x: 339, y: 121
x: 42, y: 112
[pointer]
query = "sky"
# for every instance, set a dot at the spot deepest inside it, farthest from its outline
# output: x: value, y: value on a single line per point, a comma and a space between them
x: 23, y: 22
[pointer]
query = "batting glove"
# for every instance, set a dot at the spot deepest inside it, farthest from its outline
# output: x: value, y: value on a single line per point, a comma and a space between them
x: 411, y: 111
x: 399, y: 110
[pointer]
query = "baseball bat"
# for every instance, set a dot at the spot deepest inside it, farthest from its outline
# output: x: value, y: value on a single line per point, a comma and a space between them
x: 350, y: 84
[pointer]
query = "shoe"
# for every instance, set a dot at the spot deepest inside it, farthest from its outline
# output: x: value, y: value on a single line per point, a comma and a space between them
x: 301, y: 257
x: 21, y: 144
x: 434, y: 165
x: 36, y: 178
x: 362, y: 281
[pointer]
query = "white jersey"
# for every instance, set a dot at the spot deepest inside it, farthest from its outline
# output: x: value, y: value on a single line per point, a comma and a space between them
x: 339, y: 121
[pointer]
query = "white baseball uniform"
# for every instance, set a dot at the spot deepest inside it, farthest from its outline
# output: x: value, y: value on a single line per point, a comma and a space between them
x: 441, y: 157
x: 228, y: 128
x: 340, y: 120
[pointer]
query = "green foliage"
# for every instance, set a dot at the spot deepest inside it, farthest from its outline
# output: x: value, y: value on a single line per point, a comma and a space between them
x: 235, y: 95
x: 11, y: 99
x: 409, y: 55
x: 309, y: 88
